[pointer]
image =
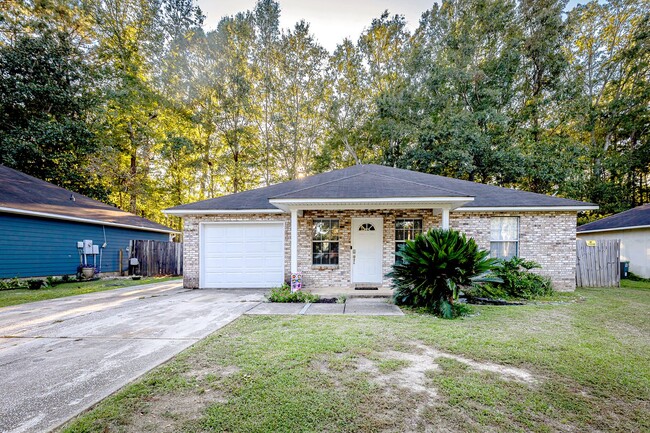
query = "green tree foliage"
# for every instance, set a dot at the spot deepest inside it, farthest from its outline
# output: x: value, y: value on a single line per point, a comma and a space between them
x: 237, y: 113
x: 132, y: 101
x: 610, y: 57
x: 434, y: 267
x: 45, y: 99
x: 266, y: 55
x: 300, y: 102
x: 462, y: 77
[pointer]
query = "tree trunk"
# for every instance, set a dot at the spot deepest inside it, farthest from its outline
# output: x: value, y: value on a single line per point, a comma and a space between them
x: 134, y: 172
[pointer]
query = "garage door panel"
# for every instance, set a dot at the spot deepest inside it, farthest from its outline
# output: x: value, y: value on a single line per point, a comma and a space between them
x: 242, y: 255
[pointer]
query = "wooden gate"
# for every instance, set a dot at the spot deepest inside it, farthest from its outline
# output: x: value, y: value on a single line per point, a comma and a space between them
x: 157, y: 257
x: 598, y: 263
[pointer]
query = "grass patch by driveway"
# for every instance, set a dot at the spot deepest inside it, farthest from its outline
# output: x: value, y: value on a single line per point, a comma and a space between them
x: 22, y: 296
x: 576, y: 366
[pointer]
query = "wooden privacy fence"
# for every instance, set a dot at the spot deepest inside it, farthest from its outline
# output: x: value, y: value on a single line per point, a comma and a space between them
x: 598, y: 263
x: 157, y: 257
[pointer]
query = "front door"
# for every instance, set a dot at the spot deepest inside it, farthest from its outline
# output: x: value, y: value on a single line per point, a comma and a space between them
x: 367, y: 247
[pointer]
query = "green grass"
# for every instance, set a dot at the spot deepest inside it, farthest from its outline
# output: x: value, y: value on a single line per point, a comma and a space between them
x: 22, y: 296
x: 635, y: 284
x: 588, y: 358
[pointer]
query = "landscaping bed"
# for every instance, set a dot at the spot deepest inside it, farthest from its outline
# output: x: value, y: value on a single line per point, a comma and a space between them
x: 574, y: 366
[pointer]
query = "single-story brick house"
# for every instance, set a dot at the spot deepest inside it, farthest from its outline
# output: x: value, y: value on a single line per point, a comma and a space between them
x: 341, y: 229
x: 42, y: 223
x: 632, y: 228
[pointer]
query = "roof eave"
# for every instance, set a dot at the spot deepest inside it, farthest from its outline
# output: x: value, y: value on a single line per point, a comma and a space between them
x: 288, y: 204
x: 613, y: 229
x: 577, y: 208
x: 184, y: 212
x: 83, y: 220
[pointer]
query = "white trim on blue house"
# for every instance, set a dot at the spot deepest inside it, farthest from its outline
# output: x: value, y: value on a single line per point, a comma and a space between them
x: 81, y: 220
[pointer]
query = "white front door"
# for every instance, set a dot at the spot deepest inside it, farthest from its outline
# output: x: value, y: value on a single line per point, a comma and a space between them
x: 367, y: 247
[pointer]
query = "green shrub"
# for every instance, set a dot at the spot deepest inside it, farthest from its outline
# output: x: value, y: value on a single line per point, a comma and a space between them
x: 13, y: 284
x: 35, y: 284
x: 517, y: 282
x: 434, y: 266
x: 53, y: 281
x: 283, y: 294
x: 457, y: 310
x: 634, y: 277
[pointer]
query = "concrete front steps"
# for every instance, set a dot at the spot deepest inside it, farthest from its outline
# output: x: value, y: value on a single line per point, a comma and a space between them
x: 333, y: 292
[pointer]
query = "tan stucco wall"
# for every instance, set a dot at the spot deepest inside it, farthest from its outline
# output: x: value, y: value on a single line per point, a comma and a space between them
x: 546, y: 237
x: 635, y: 247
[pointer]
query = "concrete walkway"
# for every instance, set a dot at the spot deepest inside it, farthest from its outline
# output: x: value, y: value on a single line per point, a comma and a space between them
x: 353, y: 306
x: 59, y: 357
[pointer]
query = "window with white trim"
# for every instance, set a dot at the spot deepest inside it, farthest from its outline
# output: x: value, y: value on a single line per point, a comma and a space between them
x: 406, y: 229
x: 504, y: 237
x: 325, y: 242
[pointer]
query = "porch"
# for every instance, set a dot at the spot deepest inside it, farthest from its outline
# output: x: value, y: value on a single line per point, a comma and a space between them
x: 348, y: 247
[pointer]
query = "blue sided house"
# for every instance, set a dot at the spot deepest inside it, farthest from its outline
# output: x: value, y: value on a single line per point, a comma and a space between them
x: 47, y: 230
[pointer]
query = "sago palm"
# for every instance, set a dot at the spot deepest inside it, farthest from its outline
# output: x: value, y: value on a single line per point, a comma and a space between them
x: 434, y: 266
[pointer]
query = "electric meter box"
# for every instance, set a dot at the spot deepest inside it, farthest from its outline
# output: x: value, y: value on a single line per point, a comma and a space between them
x: 88, y: 246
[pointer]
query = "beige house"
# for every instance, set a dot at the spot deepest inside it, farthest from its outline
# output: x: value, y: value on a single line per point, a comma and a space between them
x: 632, y: 228
x: 341, y: 229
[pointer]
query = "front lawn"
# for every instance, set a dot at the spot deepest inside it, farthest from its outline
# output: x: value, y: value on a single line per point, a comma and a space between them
x: 22, y: 296
x: 574, y: 366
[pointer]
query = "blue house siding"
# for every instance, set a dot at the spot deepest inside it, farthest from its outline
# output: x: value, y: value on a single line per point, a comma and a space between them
x: 37, y: 247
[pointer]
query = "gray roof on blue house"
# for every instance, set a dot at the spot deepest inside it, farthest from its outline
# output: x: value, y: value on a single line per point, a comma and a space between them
x: 21, y: 193
x: 378, y: 181
x: 637, y: 217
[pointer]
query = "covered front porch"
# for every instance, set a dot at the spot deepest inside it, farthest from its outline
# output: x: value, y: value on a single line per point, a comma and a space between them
x: 346, y: 247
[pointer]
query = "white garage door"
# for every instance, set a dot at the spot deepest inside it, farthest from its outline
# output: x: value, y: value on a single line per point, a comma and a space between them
x: 242, y: 255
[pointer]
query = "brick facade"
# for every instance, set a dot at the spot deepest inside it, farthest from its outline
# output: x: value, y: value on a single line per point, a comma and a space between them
x: 546, y: 237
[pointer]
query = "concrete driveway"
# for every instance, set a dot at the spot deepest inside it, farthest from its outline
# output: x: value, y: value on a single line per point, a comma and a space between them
x: 61, y: 356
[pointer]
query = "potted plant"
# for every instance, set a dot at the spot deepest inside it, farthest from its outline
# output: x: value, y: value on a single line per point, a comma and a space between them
x: 87, y: 272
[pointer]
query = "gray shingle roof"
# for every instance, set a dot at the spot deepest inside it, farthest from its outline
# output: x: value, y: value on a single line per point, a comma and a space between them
x: 637, y: 217
x: 22, y: 192
x: 377, y: 181
x: 369, y: 185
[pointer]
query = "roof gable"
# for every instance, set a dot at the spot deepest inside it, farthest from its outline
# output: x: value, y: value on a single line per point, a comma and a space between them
x: 636, y: 217
x: 377, y: 181
x: 21, y: 193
